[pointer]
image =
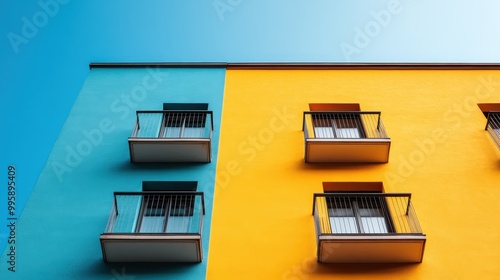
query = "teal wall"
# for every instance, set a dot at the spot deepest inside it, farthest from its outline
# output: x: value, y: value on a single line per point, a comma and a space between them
x: 57, y: 235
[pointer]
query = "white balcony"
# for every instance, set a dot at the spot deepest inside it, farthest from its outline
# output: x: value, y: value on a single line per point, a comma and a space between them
x: 151, y: 226
x: 367, y: 228
x: 345, y: 136
x: 172, y: 136
x: 493, y: 126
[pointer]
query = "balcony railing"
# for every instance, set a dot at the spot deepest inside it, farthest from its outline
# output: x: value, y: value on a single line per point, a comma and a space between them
x: 154, y: 227
x: 172, y: 136
x: 367, y: 227
x: 493, y: 126
x: 345, y: 136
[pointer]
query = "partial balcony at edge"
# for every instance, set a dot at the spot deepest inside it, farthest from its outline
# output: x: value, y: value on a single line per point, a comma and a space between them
x: 367, y: 228
x: 150, y: 226
x: 172, y: 136
x: 345, y: 136
x: 493, y: 126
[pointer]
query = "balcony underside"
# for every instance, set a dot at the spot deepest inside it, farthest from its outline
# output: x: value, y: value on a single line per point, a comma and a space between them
x: 169, y: 150
x: 147, y: 248
x: 371, y: 249
x: 347, y: 150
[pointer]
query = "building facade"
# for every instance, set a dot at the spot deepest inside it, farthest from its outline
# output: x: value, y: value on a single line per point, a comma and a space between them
x: 313, y: 172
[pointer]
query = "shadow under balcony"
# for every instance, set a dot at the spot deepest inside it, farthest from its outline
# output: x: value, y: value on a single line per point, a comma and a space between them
x: 345, y: 136
x: 154, y: 227
x: 367, y: 228
x: 172, y: 136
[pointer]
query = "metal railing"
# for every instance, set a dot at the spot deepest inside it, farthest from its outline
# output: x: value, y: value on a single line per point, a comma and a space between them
x: 343, y: 125
x: 173, y: 124
x: 493, y: 126
x: 164, y: 212
x: 364, y: 214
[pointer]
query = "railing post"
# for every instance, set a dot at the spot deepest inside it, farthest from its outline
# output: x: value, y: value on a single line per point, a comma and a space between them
x: 137, y: 120
x: 116, y: 205
x: 211, y: 121
x: 202, y: 202
x: 314, y: 202
x: 303, y: 121
x: 408, y: 205
x: 378, y: 122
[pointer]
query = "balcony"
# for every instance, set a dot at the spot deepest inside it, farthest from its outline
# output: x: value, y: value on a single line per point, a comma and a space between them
x: 172, y: 136
x: 161, y: 226
x: 367, y: 228
x: 493, y: 126
x: 345, y: 136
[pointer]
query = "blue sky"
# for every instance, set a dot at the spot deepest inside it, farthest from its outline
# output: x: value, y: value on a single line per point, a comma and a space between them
x: 47, y: 45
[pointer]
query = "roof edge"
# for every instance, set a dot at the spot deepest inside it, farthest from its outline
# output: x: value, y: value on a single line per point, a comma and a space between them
x: 303, y: 65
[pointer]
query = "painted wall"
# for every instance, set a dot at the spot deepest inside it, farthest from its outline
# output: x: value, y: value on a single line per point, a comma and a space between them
x: 262, y: 225
x: 58, y: 232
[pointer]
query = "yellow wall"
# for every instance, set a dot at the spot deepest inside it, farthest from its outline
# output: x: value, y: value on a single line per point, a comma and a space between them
x: 262, y: 224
